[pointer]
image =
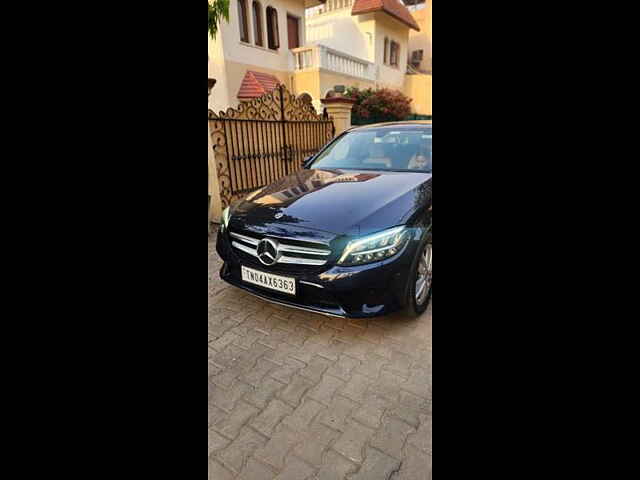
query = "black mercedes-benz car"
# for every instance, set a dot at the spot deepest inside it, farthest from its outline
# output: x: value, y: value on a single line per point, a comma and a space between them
x: 348, y: 235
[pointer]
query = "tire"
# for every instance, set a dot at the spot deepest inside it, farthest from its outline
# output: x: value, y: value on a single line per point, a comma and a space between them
x: 422, y: 265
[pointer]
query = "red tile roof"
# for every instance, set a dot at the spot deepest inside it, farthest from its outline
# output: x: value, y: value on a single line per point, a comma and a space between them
x: 392, y: 7
x: 256, y: 84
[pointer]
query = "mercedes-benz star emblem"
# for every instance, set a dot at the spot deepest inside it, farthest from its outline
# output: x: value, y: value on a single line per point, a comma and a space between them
x: 267, y: 251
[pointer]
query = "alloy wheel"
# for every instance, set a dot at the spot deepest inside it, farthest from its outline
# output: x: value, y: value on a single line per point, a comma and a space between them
x: 424, y: 274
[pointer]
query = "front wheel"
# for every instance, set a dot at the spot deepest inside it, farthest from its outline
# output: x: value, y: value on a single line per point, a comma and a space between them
x: 421, y: 280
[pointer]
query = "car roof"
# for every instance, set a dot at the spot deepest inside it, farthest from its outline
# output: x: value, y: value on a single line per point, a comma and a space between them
x: 406, y: 123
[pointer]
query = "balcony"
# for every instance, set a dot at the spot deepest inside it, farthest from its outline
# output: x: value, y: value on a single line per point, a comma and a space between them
x: 322, y: 57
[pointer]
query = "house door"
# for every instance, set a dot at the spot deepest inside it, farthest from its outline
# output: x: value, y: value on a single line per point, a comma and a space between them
x: 293, y: 32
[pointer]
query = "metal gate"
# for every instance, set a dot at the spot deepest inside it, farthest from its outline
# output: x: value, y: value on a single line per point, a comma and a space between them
x: 263, y: 140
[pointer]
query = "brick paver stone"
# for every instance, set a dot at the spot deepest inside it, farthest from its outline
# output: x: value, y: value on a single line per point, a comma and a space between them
x: 419, y: 383
x: 315, y: 368
x: 351, y: 443
x: 377, y: 466
x: 416, y: 465
x: 255, y: 470
x: 391, y: 438
x: 230, y: 425
x: 235, y: 455
x: 216, y: 442
x: 356, y: 387
x: 335, y: 467
x: 336, y: 415
x: 296, y: 470
x: 326, y: 389
x: 277, y: 448
x: 343, y: 367
x: 215, y: 414
x: 371, y: 365
x: 270, y: 417
x: 218, y: 472
x: 261, y: 396
x: 318, y: 440
x: 226, y: 399
x: 422, y: 438
x: 304, y: 414
x: 255, y: 375
x: 288, y: 368
x: 297, y: 387
x: 371, y: 412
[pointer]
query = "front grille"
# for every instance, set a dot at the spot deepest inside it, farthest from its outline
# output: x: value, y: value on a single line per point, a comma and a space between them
x: 296, y: 253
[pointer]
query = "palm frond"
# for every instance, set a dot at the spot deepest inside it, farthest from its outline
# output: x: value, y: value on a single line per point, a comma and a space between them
x: 218, y: 10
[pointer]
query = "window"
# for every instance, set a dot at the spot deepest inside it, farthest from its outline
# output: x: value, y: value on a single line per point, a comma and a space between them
x: 257, y: 23
x: 386, y: 50
x: 384, y: 148
x: 242, y: 21
x: 293, y: 32
x: 273, y: 35
x: 394, y: 57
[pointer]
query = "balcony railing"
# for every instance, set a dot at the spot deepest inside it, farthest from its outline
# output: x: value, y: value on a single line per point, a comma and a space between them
x: 328, y: 6
x: 320, y: 56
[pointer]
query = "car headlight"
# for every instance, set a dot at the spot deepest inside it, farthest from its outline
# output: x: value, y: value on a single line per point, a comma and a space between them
x: 226, y: 216
x: 374, y: 248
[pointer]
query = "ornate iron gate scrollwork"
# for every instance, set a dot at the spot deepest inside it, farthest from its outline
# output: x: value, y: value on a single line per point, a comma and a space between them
x: 263, y: 140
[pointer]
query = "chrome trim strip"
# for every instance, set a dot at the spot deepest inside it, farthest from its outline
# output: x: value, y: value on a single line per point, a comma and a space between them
x: 300, y: 261
x: 312, y: 284
x: 250, y: 240
x: 300, y: 239
x: 310, y: 251
x: 245, y: 249
x: 318, y: 312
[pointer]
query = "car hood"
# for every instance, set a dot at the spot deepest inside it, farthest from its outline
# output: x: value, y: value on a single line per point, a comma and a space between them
x: 336, y: 201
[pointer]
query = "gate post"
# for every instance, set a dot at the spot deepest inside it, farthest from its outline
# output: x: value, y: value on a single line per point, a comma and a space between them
x: 339, y: 109
x: 214, y: 204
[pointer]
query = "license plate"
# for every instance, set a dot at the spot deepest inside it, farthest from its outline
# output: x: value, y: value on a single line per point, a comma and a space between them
x: 270, y: 281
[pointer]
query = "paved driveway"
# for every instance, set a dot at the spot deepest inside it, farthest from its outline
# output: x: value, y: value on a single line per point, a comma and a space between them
x: 297, y: 396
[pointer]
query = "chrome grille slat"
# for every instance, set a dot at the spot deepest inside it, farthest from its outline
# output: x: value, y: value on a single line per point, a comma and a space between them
x: 308, y: 251
x: 244, y: 238
x: 300, y: 261
x: 282, y: 248
x: 245, y: 249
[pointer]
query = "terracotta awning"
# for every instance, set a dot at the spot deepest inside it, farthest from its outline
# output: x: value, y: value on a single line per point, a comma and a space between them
x: 256, y: 84
x: 391, y: 7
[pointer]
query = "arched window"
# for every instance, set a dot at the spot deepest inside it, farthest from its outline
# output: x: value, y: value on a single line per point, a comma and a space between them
x: 257, y: 23
x: 242, y: 21
x: 273, y: 35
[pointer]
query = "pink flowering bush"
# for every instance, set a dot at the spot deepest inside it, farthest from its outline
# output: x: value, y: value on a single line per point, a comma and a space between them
x: 378, y: 105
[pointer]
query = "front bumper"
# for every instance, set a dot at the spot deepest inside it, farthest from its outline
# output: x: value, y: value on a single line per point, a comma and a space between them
x: 354, y: 292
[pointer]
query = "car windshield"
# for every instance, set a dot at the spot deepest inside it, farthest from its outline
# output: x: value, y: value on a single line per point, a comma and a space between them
x: 385, y: 148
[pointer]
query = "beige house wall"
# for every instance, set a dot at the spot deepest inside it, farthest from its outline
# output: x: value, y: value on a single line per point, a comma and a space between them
x: 422, y: 40
x: 418, y: 87
x: 308, y: 81
x: 339, y: 30
x: 390, y: 77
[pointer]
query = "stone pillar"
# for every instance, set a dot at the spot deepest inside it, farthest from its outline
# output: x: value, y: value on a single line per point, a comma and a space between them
x: 339, y: 109
x: 213, y: 190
